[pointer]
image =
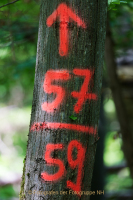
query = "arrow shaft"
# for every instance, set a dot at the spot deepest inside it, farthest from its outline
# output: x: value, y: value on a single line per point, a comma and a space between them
x: 64, y: 39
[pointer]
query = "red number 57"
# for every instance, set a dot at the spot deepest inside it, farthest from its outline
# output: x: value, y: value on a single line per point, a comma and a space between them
x: 63, y: 75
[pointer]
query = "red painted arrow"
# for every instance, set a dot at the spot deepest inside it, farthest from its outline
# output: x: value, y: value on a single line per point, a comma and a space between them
x: 64, y: 13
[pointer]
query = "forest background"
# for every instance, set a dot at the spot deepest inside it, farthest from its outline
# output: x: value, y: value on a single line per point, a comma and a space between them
x: 18, y: 45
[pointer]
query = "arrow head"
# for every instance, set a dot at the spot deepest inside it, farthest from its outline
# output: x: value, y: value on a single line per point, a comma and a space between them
x: 65, y: 13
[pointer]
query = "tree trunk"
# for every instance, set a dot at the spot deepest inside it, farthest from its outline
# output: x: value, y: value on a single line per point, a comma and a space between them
x: 98, y: 178
x: 66, y: 100
x: 126, y: 131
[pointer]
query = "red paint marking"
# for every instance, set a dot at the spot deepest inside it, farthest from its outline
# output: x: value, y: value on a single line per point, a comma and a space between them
x: 51, y: 161
x: 83, y: 95
x: 55, y: 125
x: 77, y: 163
x: 63, y: 75
x: 54, y: 75
x: 64, y: 13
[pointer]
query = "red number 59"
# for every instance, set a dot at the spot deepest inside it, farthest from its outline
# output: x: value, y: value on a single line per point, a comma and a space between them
x: 73, y: 163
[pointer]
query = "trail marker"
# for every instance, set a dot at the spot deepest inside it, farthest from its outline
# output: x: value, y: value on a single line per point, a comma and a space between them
x: 65, y: 14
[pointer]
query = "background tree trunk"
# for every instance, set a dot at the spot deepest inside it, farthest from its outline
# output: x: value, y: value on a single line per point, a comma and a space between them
x: 126, y: 131
x: 86, y: 50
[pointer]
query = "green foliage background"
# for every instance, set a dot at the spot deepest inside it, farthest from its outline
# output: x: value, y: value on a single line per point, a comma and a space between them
x: 18, y: 41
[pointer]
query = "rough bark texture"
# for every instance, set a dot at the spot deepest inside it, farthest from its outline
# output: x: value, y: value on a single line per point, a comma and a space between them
x: 126, y: 130
x: 86, y: 52
x: 98, y: 178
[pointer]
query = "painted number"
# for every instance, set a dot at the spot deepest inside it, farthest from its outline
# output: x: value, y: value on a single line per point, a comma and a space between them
x: 77, y: 163
x: 82, y: 95
x: 51, y: 161
x: 54, y: 75
x: 73, y: 163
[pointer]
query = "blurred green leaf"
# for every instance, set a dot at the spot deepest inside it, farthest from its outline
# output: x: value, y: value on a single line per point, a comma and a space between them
x: 7, y: 192
x: 73, y: 117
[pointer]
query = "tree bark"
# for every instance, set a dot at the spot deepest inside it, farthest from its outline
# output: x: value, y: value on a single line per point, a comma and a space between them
x: 99, y: 173
x: 126, y: 131
x: 58, y: 143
